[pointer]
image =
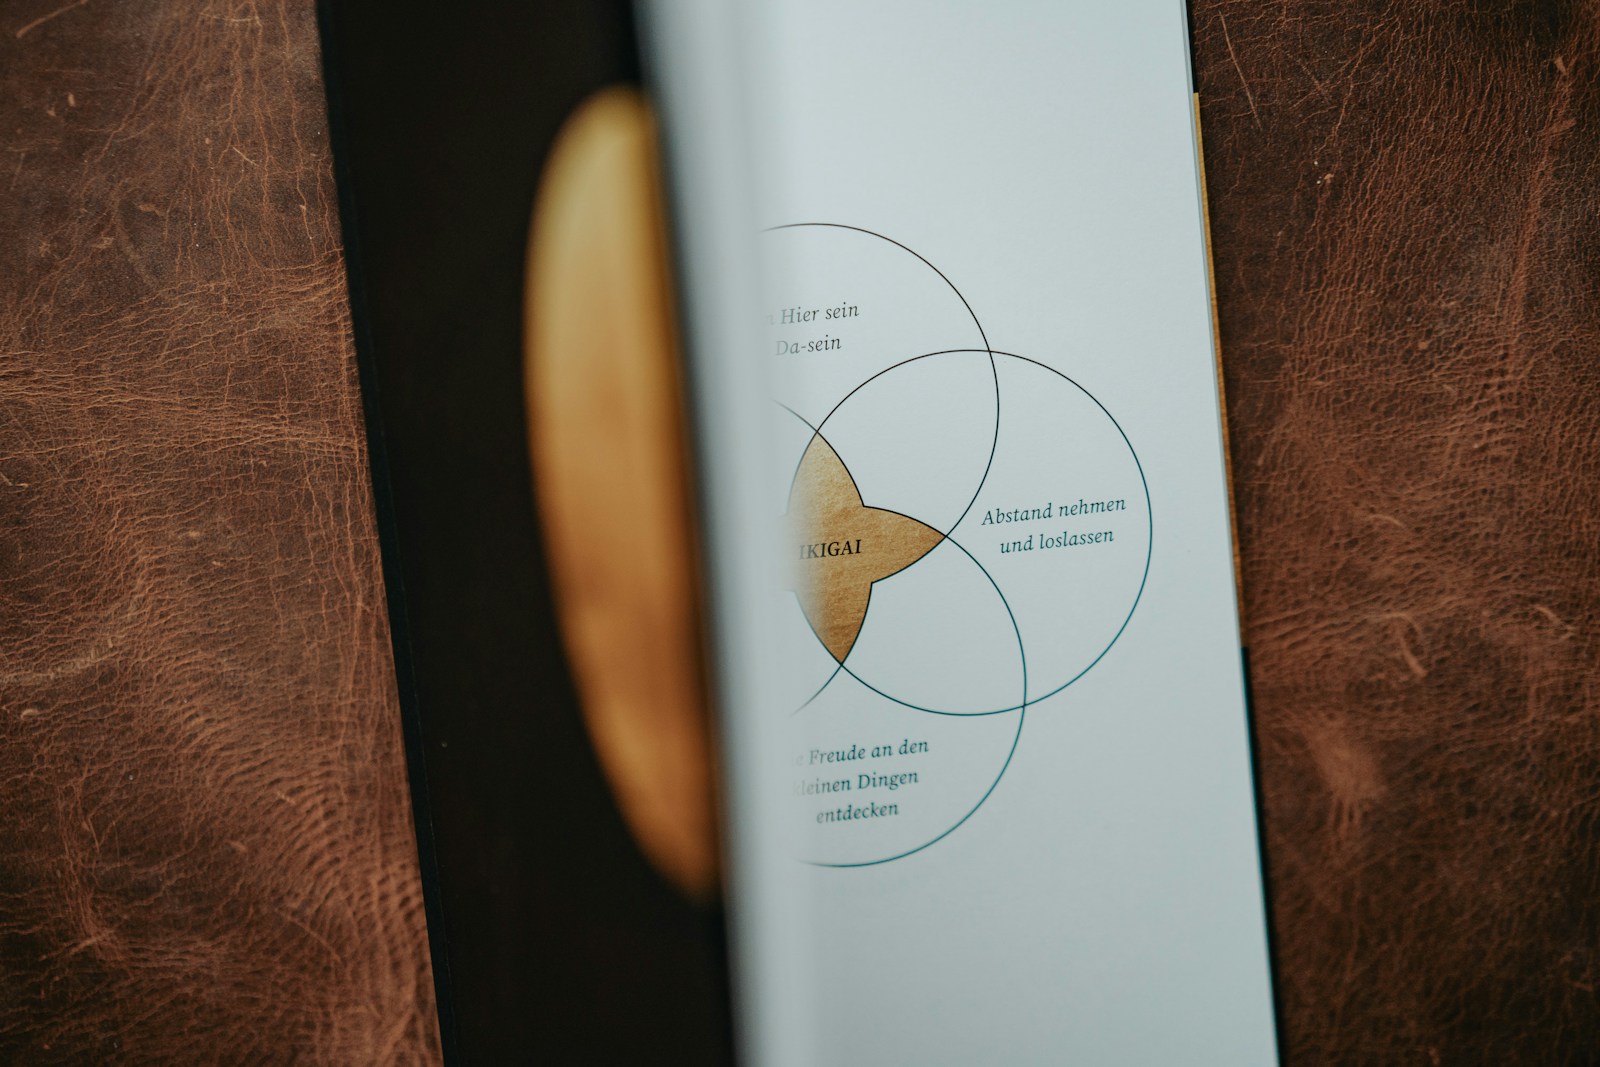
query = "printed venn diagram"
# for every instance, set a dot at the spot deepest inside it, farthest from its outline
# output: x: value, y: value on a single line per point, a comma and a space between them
x: 967, y: 532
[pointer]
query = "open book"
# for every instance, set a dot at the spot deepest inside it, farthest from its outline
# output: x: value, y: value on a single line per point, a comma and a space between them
x: 988, y: 787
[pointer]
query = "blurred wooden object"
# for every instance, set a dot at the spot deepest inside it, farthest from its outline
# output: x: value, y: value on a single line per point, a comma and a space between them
x: 611, y: 471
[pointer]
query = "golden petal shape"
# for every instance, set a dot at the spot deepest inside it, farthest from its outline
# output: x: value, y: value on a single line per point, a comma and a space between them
x: 840, y: 546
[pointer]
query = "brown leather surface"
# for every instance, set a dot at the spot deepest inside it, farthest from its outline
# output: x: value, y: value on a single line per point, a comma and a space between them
x: 1405, y: 205
x: 206, y: 853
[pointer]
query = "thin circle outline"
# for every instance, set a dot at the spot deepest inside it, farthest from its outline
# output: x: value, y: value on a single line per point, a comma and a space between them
x: 1149, y: 524
x: 1022, y: 716
x: 982, y: 334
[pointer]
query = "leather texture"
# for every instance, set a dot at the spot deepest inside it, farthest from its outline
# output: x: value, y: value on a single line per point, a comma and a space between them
x: 1404, y: 214
x: 206, y: 852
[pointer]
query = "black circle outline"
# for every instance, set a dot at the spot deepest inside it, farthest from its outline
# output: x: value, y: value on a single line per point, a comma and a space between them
x: 982, y: 335
x: 1149, y: 522
x: 1022, y: 716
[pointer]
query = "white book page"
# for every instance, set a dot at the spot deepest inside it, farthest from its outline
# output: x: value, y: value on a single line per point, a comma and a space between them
x: 996, y: 794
